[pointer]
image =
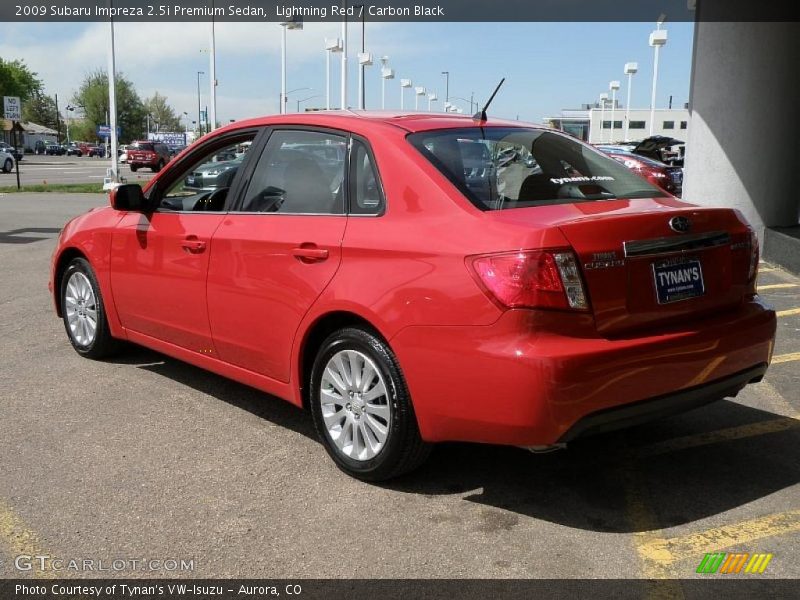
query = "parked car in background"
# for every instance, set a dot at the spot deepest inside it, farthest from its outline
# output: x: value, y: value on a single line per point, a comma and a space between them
x: 213, y: 175
x: 403, y: 306
x: 122, y: 153
x: 666, y: 177
x: 53, y: 149
x: 7, y: 161
x: 85, y: 149
x: 6, y: 147
x: 153, y: 155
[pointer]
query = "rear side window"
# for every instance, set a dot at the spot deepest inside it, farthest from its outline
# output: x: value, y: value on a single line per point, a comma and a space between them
x: 366, y: 197
x: 501, y: 168
x: 299, y: 172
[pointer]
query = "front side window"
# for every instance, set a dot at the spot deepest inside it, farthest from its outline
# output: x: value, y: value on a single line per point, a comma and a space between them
x: 500, y: 168
x: 299, y: 172
x: 204, y: 185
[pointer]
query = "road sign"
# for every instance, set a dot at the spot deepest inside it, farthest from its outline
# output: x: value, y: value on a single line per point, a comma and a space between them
x: 104, y: 131
x: 12, y: 108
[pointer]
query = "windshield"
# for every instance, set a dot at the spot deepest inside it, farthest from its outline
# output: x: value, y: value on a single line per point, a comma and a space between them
x: 500, y: 168
x: 141, y: 146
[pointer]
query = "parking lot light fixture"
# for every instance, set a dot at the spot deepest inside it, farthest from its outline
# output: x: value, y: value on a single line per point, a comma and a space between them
x: 294, y: 23
x: 404, y: 84
x: 603, y: 99
x: 630, y: 70
x: 432, y: 97
x: 613, y: 86
x: 332, y: 46
x: 658, y: 38
x: 386, y: 73
x: 299, y: 102
x: 420, y: 91
x: 199, y: 114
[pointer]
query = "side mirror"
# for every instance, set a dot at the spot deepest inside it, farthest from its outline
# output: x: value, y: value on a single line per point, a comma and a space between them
x: 128, y: 197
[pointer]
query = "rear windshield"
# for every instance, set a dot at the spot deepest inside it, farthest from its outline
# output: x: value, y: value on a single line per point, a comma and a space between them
x: 500, y: 168
x: 141, y: 146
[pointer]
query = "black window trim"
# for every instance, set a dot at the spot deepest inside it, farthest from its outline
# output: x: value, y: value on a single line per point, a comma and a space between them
x: 378, y: 179
x: 258, y: 150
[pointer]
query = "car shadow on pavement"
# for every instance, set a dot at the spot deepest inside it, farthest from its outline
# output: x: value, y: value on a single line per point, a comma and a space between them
x: 254, y: 401
x: 591, y: 485
x: 597, y: 483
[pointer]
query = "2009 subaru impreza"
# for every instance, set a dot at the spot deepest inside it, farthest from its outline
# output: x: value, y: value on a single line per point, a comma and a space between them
x: 420, y: 278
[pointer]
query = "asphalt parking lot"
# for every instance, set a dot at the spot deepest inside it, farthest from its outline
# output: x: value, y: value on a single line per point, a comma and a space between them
x: 149, y: 458
x: 41, y: 169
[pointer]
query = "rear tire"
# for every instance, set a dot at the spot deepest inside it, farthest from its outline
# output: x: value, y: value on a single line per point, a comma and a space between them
x: 83, y: 312
x: 134, y: 168
x: 158, y: 167
x: 8, y: 165
x: 362, y: 408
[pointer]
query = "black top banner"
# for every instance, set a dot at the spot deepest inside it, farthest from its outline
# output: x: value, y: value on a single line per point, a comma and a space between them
x: 279, y: 11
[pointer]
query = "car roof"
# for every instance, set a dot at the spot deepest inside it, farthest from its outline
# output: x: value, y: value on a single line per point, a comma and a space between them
x: 346, y: 119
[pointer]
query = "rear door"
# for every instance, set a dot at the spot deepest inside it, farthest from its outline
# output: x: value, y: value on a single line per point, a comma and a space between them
x: 278, y: 249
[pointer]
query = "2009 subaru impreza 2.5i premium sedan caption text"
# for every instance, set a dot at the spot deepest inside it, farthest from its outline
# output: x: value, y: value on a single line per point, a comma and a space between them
x: 411, y: 279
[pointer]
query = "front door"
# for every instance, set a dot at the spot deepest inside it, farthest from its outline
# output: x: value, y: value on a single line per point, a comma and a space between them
x: 160, y: 260
x: 274, y: 254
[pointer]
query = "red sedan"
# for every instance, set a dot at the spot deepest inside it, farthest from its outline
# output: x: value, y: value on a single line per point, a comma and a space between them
x: 367, y: 267
x: 666, y: 177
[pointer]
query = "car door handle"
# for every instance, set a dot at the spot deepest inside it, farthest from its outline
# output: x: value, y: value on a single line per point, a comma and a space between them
x: 192, y: 245
x: 310, y: 253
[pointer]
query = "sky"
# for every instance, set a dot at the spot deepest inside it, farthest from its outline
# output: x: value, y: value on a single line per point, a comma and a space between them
x: 547, y: 66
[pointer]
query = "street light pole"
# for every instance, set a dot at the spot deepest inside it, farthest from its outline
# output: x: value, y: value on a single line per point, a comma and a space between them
x: 213, y: 75
x: 446, y: 86
x: 603, y: 98
x: 404, y: 84
x: 630, y: 70
x: 344, y: 58
x: 657, y: 39
x: 613, y: 86
x: 199, y: 113
x: 386, y: 73
x: 293, y: 23
x: 331, y: 46
x: 420, y: 91
x: 112, y: 102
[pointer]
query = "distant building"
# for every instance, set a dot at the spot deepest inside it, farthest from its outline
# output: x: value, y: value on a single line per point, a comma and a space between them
x: 32, y: 133
x: 585, y: 124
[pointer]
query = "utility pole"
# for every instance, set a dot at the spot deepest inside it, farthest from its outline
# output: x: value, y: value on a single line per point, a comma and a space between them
x: 58, y: 124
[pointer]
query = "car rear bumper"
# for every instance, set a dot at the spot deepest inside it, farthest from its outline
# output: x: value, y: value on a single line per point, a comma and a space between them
x: 537, y: 377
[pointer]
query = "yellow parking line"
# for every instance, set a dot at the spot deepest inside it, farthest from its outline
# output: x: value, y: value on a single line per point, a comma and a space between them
x: 665, y: 551
x: 788, y: 313
x: 777, y: 286
x: 720, y: 435
x: 782, y: 358
x: 19, y: 539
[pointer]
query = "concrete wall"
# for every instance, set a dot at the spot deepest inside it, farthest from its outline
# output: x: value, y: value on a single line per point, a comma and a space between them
x: 743, y: 142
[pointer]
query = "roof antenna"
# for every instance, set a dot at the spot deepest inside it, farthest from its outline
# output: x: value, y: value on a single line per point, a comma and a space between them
x: 481, y: 116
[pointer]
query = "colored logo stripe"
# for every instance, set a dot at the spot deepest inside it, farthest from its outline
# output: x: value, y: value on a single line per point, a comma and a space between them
x: 723, y: 562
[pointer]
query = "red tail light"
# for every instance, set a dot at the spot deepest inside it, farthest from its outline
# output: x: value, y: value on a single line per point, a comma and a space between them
x: 532, y: 279
x: 754, y: 255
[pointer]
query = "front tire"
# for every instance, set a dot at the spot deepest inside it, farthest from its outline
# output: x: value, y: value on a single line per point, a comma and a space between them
x: 8, y: 165
x: 362, y: 408
x: 83, y: 312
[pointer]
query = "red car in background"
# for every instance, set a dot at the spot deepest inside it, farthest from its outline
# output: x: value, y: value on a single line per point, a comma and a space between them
x: 153, y: 155
x: 666, y: 177
x: 369, y: 268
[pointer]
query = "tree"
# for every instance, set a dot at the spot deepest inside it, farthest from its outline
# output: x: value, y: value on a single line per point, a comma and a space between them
x: 162, y: 115
x: 92, y: 97
x: 16, y: 79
